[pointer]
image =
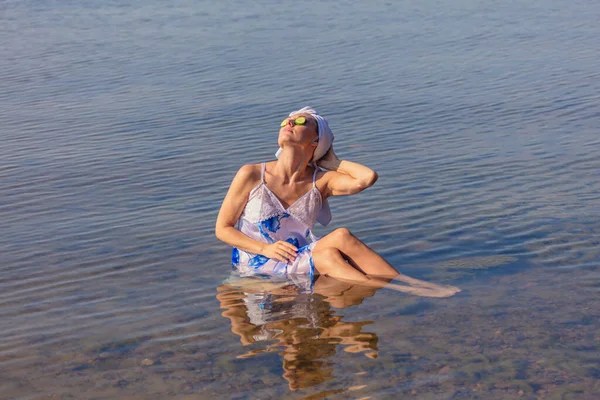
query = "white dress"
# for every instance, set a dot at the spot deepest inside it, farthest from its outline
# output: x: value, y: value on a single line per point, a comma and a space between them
x: 265, y: 219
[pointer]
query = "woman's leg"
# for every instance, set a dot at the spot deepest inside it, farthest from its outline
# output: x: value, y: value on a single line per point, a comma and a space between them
x: 365, y: 260
x: 357, y: 253
x: 329, y: 261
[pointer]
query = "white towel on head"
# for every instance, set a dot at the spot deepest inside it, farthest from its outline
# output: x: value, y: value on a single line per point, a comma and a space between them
x: 325, y: 134
x: 325, y: 142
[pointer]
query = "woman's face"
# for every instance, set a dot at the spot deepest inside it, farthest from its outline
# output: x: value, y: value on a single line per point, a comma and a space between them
x: 304, y: 135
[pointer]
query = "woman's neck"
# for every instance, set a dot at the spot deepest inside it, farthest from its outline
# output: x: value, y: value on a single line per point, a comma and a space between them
x: 292, y: 165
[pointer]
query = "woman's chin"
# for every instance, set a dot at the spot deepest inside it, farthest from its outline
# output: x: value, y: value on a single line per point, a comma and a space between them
x: 285, y: 134
x: 285, y: 139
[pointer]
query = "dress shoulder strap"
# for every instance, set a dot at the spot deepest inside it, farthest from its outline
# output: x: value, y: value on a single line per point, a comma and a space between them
x: 315, y: 177
x: 263, y: 167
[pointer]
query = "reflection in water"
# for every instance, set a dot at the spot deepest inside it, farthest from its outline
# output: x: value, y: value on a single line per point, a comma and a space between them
x: 300, y: 326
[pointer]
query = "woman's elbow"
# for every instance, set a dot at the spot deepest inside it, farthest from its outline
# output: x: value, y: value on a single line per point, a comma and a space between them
x: 369, y: 180
x: 374, y: 178
x: 220, y: 232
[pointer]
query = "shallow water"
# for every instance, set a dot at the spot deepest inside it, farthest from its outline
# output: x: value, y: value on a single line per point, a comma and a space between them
x: 123, y: 123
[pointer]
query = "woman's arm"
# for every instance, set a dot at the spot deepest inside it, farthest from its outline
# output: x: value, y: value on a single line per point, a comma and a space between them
x: 345, y: 177
x: 233, y: 205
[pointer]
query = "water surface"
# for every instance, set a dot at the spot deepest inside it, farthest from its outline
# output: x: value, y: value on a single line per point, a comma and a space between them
x: 123, y: 123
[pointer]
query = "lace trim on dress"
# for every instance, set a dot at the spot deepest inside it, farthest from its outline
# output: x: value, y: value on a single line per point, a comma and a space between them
x: 263, y: 204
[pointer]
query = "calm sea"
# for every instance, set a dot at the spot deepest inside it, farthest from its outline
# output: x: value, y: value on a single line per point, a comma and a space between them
x: 122, y: 124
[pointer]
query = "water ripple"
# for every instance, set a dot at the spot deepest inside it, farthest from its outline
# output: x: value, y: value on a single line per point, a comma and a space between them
x: 123, y: 124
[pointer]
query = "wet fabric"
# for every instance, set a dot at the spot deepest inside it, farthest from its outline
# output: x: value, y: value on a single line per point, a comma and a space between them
x: 265, y: 219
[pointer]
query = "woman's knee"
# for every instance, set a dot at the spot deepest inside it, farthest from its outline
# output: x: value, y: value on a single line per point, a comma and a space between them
x: 344, y: 240
x: 340, y: 239
x: 342, y: 234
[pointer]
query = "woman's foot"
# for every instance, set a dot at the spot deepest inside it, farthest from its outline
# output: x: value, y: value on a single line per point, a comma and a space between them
x: 417, y: 283
x: 430, y: 290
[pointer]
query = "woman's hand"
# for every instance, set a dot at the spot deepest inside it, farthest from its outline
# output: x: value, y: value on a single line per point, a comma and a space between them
x: 329, y: 161
x: 280, y: 251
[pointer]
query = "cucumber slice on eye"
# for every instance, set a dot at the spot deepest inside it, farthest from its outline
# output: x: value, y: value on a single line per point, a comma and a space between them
x: 297, y: 121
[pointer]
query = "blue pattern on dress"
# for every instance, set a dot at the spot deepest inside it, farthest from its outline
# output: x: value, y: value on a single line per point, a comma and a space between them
x: 258, y: 261
x: 293, y: 241
x: 303, y: 248
x: 265, y: 234
x: 311, y: 272
x: 235, y: 256
x: 274, y: 223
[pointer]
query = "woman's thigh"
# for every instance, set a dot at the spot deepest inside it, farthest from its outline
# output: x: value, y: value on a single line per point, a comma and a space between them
x: 329, y: 261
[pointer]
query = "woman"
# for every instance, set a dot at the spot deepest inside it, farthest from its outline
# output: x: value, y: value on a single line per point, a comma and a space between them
x: 276, y: 204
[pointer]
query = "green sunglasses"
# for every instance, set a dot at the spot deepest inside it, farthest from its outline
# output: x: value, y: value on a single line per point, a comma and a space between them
x: 296, y: 121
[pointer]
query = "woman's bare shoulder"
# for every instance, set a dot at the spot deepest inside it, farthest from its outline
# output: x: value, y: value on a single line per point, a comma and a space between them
x: 248, y: 173
x: 248, y: 177
x: 249, y: 170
